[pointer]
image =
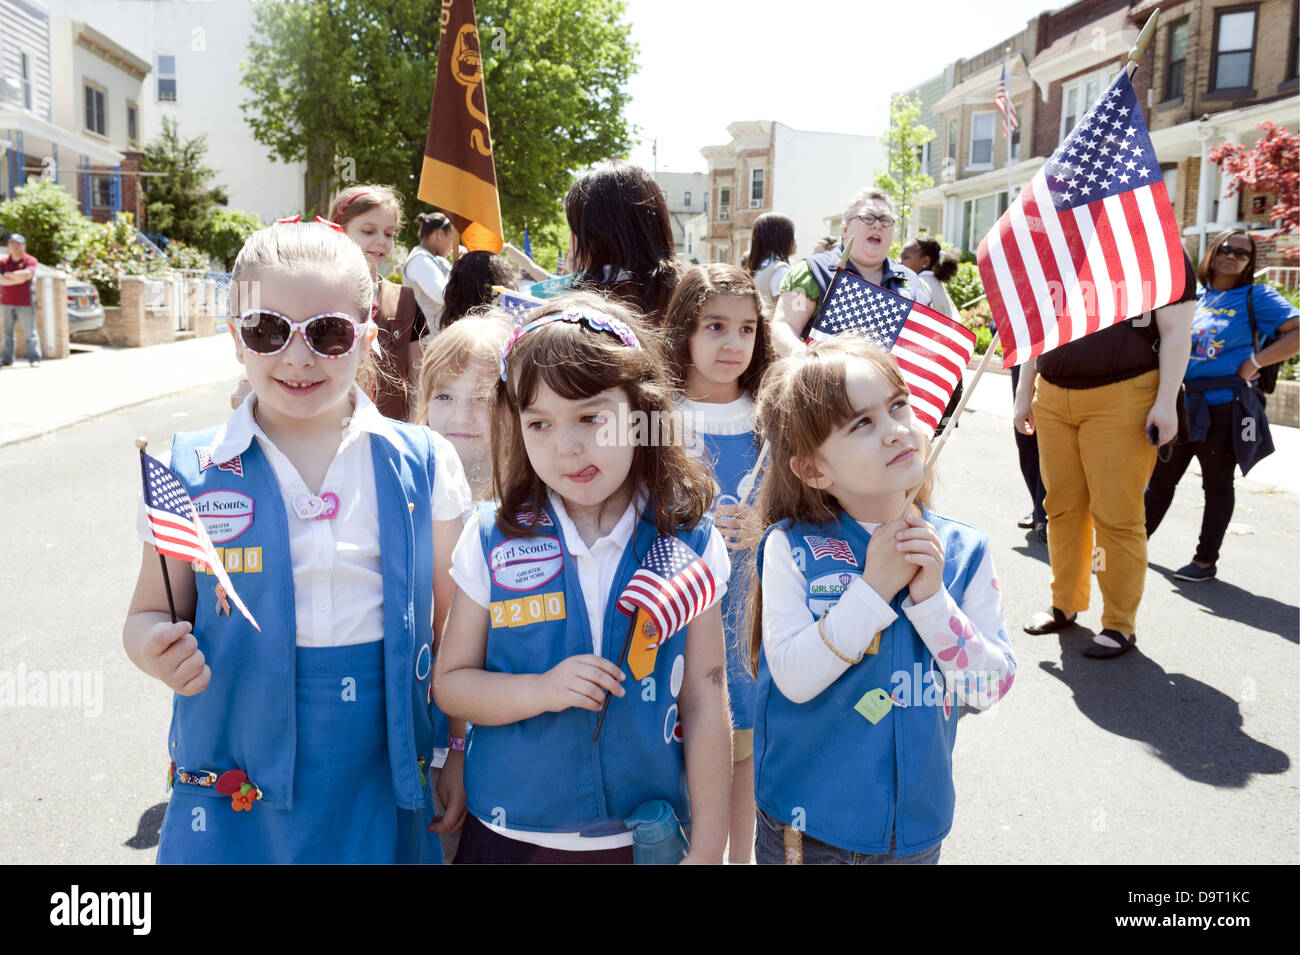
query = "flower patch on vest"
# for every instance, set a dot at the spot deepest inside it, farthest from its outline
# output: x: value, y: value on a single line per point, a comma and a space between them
x: 526, y: 563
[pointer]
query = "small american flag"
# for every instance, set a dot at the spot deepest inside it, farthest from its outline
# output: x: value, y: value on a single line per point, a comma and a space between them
x: 518, y: 304
x: 1002, y: 100
x: 1091, y: 241
x: 832, y: 547
x: 931, y: 349
x: 673, y: 585
x: 235, y: 465
x: 176, y: 529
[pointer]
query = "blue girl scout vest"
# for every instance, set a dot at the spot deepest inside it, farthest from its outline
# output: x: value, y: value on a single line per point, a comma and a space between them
x: 822, y: 767
x: 734, y: 460
x: 245, y: 719
x: 544, y: 774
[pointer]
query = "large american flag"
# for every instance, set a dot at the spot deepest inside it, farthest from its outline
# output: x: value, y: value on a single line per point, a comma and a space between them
x: 931, y: 349
x: 673, y: 585
x: 176, y: 528
x: 1002, y: 100
x: 1090, y: 241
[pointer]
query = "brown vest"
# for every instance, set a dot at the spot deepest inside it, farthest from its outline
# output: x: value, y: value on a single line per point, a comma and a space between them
x: 395, y: 318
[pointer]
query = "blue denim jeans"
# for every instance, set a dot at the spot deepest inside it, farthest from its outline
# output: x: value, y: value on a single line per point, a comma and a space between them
x: 13, y: 314
x: 769, y: 849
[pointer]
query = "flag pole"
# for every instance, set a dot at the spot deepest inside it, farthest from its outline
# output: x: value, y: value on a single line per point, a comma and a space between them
x: 1006, y: 124
x: 1140, y: 45
x: 627, y: 645
x: 141, y: 443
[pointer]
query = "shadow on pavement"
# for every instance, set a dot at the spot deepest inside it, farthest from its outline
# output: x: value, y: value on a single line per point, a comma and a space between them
x: 1033, y: 547
x: 148, y: 828
x: 1190, y: 725
x: 1237, y: 604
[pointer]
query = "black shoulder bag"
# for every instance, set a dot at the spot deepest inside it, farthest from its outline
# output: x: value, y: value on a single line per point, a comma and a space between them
x: 1267, y: 380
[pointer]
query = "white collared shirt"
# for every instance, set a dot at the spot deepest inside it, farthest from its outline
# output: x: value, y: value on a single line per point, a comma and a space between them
x: 596, y: 567
x: 337, y: 571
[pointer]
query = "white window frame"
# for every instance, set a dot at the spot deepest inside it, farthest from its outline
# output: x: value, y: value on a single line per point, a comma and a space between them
x: 724, y: 203
x: 95, y: 180
x: 993, y: 129
x: 27, y: 80
x: 165, y: 76
x: 132, y: 107
x: 760, y: 174
x: 92, y: 87
x: 1081, y: 85
x: 686, y: 198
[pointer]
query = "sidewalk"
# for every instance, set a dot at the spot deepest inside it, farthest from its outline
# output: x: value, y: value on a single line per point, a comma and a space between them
x: 1281, y: 469
x: 100, y: 380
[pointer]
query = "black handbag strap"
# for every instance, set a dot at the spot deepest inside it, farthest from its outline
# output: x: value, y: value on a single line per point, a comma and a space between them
x: 1250, y: 311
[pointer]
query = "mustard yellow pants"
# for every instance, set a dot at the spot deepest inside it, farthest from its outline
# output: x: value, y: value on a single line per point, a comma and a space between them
x: 1096, y: 461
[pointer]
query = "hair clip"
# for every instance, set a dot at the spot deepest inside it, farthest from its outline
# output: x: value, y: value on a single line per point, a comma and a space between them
x: 291, y: 220
x: 348, y: 200
x: 596, y: 321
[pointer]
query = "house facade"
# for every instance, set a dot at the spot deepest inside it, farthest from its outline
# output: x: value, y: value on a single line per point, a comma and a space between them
x: 770, y: 167
x: 49, y: 127
x: 1213, y: 71
x: 687, y: 196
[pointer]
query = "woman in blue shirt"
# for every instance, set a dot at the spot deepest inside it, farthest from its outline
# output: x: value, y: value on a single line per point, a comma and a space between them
x: 1223, y: 362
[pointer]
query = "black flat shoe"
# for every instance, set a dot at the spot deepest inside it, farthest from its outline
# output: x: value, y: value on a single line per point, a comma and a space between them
x: 1099, y: 651
x: 1048, y: 623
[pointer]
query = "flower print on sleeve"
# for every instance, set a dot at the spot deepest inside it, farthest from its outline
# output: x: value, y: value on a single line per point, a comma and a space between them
x: 969, y: 641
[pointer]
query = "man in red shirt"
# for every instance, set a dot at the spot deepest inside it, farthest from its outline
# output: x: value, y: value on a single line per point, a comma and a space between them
x: 16, y: 273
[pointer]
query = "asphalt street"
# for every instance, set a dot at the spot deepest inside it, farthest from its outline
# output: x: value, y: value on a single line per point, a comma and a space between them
x: 1184, y: 751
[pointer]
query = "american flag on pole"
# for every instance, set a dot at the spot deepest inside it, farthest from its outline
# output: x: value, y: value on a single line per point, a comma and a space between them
x: 931, y: 349
x: 673, y: 585
x: 1090, y: 241
x: 1002, y: 100
x: 176, y: 528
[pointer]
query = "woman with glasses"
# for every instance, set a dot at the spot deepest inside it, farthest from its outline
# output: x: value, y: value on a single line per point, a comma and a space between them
x: 1227, y: 355
x: 869, y: 221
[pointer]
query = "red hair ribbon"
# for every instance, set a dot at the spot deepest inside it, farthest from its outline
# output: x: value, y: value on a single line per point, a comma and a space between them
x: 348, y: 201
x: 290, y: 220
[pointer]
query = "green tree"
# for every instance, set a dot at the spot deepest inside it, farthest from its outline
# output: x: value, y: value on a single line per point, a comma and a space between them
x: 905, y: 179
x: 46, y: 216
x: 177, y: 200
x: 223, y: 232
x: 345, y: 85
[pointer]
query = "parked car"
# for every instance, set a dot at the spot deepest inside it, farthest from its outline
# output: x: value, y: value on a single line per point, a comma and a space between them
x: 85, y: 311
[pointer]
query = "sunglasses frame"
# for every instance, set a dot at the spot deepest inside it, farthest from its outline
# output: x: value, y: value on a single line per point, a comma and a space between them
x: 1236, y: 253
x: 301, y: 329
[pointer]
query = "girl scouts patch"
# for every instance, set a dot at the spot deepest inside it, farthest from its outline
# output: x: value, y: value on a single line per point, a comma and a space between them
x: 225, y: 514
x: 526, y: 563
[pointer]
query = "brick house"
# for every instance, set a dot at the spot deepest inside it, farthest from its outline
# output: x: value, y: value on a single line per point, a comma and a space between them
x: 1212, y: 72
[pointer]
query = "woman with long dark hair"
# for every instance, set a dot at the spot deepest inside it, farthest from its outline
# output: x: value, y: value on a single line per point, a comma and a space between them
x: 1234, y: 318
x: 469, y: 287
x: 622, y: 237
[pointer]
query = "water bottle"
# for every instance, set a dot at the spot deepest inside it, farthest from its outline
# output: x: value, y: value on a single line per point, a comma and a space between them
x: 657, y: 837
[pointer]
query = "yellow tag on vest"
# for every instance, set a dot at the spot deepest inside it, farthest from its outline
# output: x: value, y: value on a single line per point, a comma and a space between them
x: 874, y: 706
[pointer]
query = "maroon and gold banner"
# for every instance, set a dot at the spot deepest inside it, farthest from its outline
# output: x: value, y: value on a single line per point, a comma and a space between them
x: 459, y: 174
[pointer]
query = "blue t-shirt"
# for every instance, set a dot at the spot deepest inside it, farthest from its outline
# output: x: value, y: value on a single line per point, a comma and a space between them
x: 1221, y: 338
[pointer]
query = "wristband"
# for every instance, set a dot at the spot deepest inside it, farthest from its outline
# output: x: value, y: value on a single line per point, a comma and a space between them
x: 831, y: 647
x: 1251, y: 358
x: 456, y: 743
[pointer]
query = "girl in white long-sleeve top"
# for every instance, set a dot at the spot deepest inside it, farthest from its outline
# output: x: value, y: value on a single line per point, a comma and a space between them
x: 869, y: 627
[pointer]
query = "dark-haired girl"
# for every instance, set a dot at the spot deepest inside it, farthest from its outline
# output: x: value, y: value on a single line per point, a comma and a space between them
x: 934, y: 267
x: 590, y: 469
x: 427, y: 267
x: 469, y: 287
x: 622, y: 237
x: 719, y: 348
x: 770, y: 249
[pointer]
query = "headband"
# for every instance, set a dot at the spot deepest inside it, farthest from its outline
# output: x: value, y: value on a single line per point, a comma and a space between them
x: 596, y: 321
x: 292, y: 220
x: 348, y: 201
